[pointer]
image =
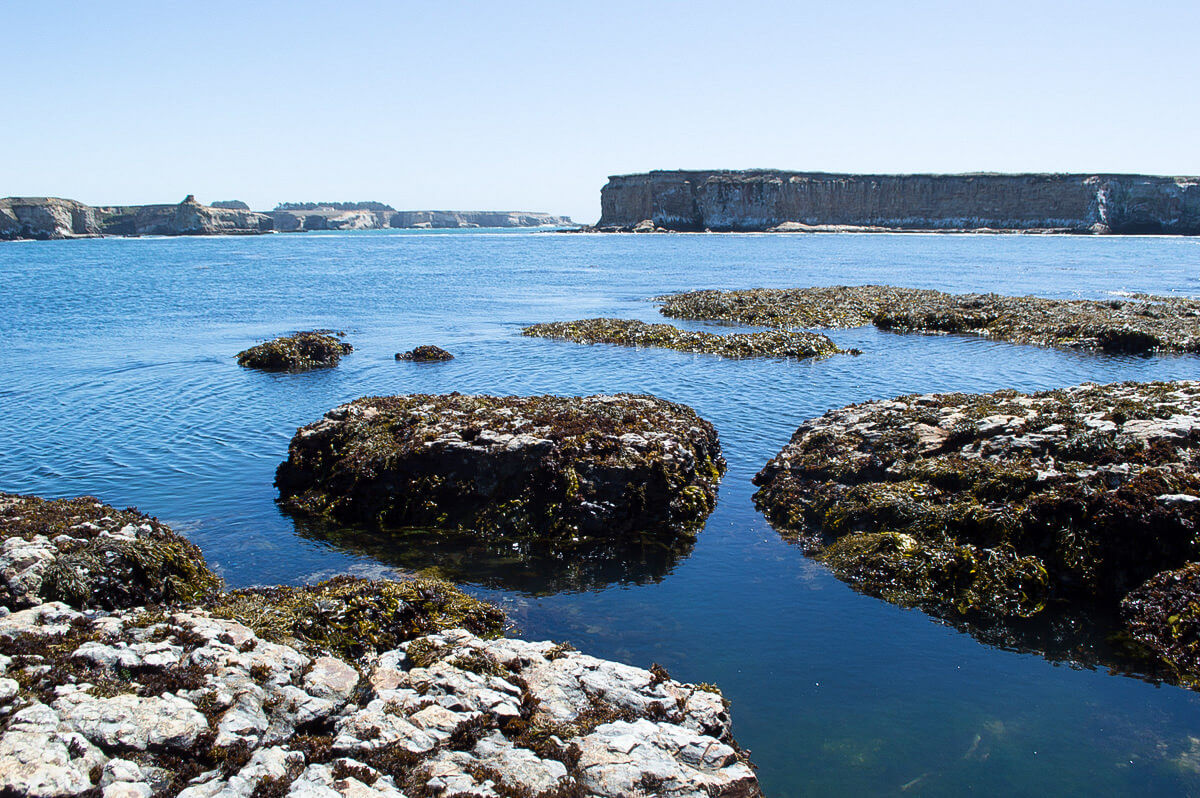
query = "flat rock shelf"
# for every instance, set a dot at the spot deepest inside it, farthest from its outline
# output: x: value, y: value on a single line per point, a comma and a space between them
x: 1007, y: 511
x: 1129, y: 323
x: 626, y: 332
x: 345, y: 688
x: 546, y: 467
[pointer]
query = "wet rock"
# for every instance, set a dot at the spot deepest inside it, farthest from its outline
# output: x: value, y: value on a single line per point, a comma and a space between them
x: 425, y: 354
x: 1128, y: 323
x: 624, y: 332
x: 299, y: 352
x: 1164, y: 615
x: 88, y: 554
x: 996, y: 509
x: 542, y: 467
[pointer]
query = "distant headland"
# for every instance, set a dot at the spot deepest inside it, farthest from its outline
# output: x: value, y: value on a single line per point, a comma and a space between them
x: 779, y: 201
x: 54, y: 217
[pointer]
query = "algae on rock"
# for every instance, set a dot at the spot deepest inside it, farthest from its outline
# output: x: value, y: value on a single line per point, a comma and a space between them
x: 542, y: 467
x: 1127, y: 323
x: 299, y: 352
x: 992, y: 509
x: 626, y: 332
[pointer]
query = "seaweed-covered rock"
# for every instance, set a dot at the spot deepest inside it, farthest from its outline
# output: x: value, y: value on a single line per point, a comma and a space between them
x: 997, y: 507
x: 1164, y: 615
x: 549, y: 467
x: 426, y: 353
x: 299, y: 352
x: 1132, y: 323
x: 626, y: 332
x: 88, y: 554
x: 186, y: 703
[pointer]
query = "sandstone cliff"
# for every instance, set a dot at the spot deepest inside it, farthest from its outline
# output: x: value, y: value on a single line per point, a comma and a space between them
x: 766, y: 199
x: 328, y: 218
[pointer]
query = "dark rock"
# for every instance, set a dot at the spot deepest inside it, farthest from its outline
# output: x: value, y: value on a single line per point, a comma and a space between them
x: 230, y: 205
x: 998, y: 508
x: 546, y: 467
x: 298, y: 352
x: 425, y: 354
x: 624, y: 332
x: 1133, y: 323
x: 88, y: 554
x: 1164, y: 615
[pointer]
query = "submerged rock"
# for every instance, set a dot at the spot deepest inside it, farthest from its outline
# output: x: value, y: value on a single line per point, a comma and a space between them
x: 92, y: 555
x: 425, y: 354
x: 1132, y: 323
x: 349, y: 687
x: 625, y: 332
x: 298, y: 352
x: 997, y: 508
x: 547, y: 467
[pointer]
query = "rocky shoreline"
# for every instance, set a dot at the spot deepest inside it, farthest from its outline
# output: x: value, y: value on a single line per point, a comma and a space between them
x: 1001, y: 511
x: 348, y: 688
x: 42, y: 218
x: 626, y: 332
x: 1136, y: 323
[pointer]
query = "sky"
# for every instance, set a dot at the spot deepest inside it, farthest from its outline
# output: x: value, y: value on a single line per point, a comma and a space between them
x: 531, y: 105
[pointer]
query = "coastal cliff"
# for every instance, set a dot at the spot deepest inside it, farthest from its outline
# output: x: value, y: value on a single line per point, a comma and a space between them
x: 55, y: 217
x: 757, y: 200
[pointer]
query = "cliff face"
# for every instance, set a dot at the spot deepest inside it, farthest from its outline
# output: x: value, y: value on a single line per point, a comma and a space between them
x: 761, y: 200
x: 53, y: 217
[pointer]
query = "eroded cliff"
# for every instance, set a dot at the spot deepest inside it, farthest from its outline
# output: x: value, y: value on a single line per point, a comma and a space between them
x: 765, y: 199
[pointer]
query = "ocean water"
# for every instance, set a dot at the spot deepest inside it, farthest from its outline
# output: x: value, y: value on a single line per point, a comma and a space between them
x: 117, y: 379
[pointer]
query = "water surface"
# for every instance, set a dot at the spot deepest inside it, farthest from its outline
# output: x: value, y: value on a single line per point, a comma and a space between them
x: 117, y: 379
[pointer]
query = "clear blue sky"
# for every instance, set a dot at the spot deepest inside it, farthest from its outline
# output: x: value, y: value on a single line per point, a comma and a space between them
x: 529, y: 105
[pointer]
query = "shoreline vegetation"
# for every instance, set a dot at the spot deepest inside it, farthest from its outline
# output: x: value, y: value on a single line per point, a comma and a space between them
x: 350, y: 687
x: 1135, y: 323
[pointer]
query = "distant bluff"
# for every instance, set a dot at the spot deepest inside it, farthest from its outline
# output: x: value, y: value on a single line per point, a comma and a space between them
x: 55, y: 217
x: 757, y: 200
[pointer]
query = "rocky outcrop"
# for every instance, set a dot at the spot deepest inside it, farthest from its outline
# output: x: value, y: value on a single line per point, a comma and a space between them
x: 426, y: 353
x: 760, y: 200
x: 626, y: 332
x: 298, y: 352
x: 53, y: 217
x: 302, y: 218
x: 92, y: 555
x: 1132, y: 323
x: 349, y: 687
x: 548, y: 468
x: 1001, y: 511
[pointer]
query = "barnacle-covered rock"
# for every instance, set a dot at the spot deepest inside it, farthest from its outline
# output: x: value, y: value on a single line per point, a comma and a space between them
x: 426, y: 353
x: 299, y: 352
x: 183, y: 702
x: 88, y: 554
x: 996, y: 508
x: 1130, y: 323
x: 545, y: 467
x: 626, y: 332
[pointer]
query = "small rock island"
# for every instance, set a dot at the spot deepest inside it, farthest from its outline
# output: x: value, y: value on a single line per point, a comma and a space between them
x: 552, y: 468
x: 300, y: 351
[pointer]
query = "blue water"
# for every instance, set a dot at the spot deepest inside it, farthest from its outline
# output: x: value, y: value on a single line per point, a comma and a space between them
x: 117, y: 379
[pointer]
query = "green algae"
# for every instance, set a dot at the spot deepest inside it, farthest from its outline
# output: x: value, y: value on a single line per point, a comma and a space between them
x: 626, y: 332
x: 1131, y: 323
x: 299, y: 352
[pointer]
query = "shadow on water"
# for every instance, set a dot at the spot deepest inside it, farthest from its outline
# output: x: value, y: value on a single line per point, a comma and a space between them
x: 522, y: 566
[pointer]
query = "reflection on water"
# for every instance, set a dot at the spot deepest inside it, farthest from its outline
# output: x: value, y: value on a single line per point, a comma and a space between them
x: 522, y: 566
